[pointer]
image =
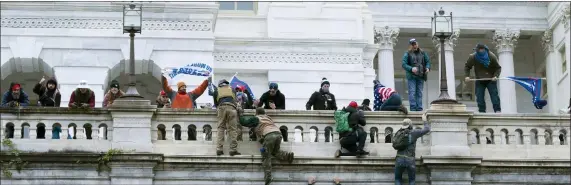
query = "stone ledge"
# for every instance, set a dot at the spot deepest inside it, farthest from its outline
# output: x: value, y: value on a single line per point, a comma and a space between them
x: 73, y: 157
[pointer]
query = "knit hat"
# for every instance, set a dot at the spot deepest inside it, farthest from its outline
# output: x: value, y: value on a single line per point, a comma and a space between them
x: 324, y: 81
x: 366, y: 102
x: 180, y: 84
x: 163, y: 93
x: 114, y: 84
x: 412, y: 41
x: 274, y: 85
x: 353, y: 104
x: 16, y: 87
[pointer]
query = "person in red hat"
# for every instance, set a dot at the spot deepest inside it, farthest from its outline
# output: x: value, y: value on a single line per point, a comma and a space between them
x: 353, y: 141
x: 163, y: 101
x: 15, y: 96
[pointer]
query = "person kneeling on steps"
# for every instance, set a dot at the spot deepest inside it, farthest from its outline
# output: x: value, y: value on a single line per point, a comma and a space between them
x: 271, y: 139
x: 353, y: 140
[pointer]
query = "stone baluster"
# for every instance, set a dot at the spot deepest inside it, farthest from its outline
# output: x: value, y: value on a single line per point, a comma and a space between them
x: 17, y: 132
x: 540, y: 139
x: 449, y: 45
x: 48, y: 133
x: 497, y: 138
x: 26, y: 132
x: 184, y: 133
x: 555, y: 139
x: 512, y: 140
x: 526, y: 139
x: 483, y: 140
x: 386, y: 37
x: 506, y: 41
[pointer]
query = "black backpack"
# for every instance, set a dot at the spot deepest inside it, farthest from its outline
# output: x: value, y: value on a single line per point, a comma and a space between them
x: 402, y: 139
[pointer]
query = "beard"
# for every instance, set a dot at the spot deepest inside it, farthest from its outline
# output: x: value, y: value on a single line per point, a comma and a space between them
x: 16, y: 96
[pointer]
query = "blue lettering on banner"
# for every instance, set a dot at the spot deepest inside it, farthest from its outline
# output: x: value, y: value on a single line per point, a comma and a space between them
x: 195, y: 69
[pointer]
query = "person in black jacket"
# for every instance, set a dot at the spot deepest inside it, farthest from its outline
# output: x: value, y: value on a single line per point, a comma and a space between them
x: 353, y: 141
x: 49, y: 94
x: 272, y: 99
x: 322, y: 99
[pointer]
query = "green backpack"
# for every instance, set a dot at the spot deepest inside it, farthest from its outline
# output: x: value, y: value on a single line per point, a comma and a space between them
x: 402, y: 139
x: 342, y: 121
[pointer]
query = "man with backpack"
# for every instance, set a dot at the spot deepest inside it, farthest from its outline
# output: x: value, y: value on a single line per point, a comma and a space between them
x: 352, y: 136
x: 416, y: 63
x: 405, y: 144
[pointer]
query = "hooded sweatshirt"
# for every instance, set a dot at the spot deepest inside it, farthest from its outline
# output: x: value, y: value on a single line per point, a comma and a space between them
x: 48, y: 97
x: 7, y: 97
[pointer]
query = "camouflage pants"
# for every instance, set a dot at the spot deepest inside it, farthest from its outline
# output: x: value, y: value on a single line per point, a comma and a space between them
x: 227, y: 120
x: 271, y: 144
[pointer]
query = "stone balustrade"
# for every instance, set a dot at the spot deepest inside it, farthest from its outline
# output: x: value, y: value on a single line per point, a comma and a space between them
x: 473, y: 143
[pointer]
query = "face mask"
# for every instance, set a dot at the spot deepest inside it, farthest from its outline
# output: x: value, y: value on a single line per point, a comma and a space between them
x: 325, y: 89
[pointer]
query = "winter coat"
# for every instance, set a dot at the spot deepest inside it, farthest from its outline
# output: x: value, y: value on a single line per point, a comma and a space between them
x: 48, y: 98
x: 318, y: 100
x: 278, y: 99
x: 7, y: 98
x: 110, y: 97
x: 183, y: 99
x: 408, y: 63
x: 87, y: 97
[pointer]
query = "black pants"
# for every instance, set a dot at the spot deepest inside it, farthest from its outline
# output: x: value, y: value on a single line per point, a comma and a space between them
x: 354, y: 141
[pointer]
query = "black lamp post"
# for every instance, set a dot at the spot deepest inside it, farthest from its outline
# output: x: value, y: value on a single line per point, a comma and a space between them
x: 132, y: 22
x: 442, y: 28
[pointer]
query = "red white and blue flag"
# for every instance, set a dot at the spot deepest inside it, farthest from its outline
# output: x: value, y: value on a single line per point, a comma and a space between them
x: 237, y: 83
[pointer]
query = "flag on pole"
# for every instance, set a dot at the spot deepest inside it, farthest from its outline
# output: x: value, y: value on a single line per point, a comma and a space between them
x: 533, y: 86
x: 235, y: 82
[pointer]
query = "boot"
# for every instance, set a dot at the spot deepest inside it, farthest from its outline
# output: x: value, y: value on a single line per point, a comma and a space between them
x: 233, y: 153
x: 361, y: 153
x: 403, y: 109
x: 290, y: 157
x: 219, y: 152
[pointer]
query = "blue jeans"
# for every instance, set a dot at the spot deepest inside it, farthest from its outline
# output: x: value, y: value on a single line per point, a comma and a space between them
x: 415, y: 87
x: 403, y: 164
x: 393, y: 103
x: 492, y: 87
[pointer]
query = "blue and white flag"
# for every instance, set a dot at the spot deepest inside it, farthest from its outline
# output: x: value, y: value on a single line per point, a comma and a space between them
x: 533, y: 86
x: 195, y: 69
x: 235, y: 82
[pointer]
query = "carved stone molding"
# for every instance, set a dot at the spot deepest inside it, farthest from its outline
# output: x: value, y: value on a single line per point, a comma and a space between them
x: 75, y: 23
x: 386, y: 37
x: 506, y: 40
x: 547, y: 41
x: 565, y: 14
x: 449, y: 43
x: 287, y: 57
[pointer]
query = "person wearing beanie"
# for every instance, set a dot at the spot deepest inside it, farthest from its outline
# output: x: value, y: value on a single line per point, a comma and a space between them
x: 416, y: 63
x: 227, y: 114
x: 49, y: 95
x: 353, y: 141
x: 82, y: 97
x: 272, y: 99
x: 181, y: 99
x: 15, y: 96
x: 485, y: 64
x: 113, y: 93
x: 365, y: 105
x: 387, y: 99
x: 322, y: 99
x: 405, y: 159
x: 163, y: 100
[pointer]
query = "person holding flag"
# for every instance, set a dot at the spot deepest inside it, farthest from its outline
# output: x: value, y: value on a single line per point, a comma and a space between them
x: 181, y: 99
x: 486, y: 66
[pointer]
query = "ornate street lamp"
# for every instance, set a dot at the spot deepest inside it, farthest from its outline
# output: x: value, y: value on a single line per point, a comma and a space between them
x: 132, y: 22
x: 442, y: 28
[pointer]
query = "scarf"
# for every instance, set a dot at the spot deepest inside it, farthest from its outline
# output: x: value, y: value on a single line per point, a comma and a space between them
x: 483, y: 57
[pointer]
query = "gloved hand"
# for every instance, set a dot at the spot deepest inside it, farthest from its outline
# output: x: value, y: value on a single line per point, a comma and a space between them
x: 85, y: 105
x: 13, y: 104
x: 74, y: 105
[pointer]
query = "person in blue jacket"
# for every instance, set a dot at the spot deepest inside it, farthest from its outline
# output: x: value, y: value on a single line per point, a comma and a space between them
x: 15, y: 96
x: 416, y: 63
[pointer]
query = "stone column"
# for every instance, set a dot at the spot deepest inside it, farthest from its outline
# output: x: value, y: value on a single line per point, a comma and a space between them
x: 550, y: 67
x: 386, y: 38
x: 449, y: 56
x: 506, y: 41
x: 450, y: 160
x: 132, y: 124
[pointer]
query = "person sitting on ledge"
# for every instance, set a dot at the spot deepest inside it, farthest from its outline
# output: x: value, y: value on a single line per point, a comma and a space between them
x: 181, y: 99
x: 311, y: 181
x: 82, y: 97
x: 353, y: 141
x: 271, y: 139
x: 15, y: 97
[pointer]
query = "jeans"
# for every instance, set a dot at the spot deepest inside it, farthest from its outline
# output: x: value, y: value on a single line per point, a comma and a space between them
x: 393, y: 103
x: 492, y: 87
x: 402, y: 164
x: 354, y: 142
x: 415, y: 87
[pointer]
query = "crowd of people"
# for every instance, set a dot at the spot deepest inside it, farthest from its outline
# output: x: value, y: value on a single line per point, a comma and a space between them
x: 230, y: 103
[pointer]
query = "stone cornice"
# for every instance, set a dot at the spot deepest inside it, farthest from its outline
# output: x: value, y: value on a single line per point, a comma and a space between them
x: 87, y: 23
x: 506, y: 40
x: 157, y: 6
x: 386, y: 37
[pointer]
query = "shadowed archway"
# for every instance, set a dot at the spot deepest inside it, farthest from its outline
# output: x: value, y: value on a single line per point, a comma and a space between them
x: 26, y: 71
x: 148, y: 75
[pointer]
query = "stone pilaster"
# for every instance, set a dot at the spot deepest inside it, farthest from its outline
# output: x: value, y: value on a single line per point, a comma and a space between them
x: 449, y: 45
x: 550, y: 67
x: 386, y: 38
x: 127, y: 169
x: 506, y: 41
x: 132, y: 124
x: 368, y: 57
x: 450, y: 161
